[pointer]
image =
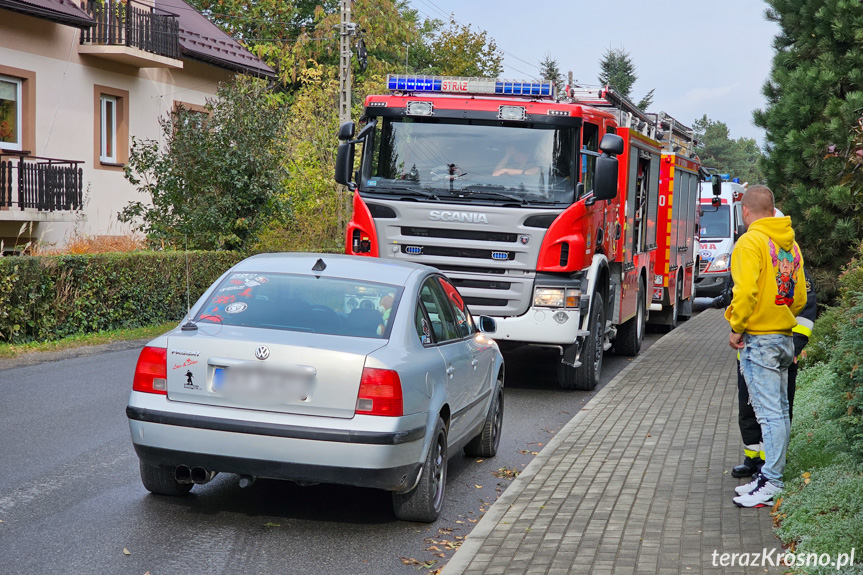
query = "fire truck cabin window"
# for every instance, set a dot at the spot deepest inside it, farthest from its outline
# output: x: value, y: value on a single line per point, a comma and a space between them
x: 589, y: 153
x: 483, y: 161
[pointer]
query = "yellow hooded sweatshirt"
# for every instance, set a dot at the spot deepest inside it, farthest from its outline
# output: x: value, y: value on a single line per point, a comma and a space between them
x: 769, y: 284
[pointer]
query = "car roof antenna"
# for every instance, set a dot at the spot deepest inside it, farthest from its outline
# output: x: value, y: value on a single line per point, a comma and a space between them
x: 319, y: 267
x: 189, y: 325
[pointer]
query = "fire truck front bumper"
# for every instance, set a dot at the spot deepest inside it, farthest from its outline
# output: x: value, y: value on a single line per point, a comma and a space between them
x: 545, y: 326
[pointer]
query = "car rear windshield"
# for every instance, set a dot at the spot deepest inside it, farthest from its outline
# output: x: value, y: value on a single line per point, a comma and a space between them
x: 334, y: 306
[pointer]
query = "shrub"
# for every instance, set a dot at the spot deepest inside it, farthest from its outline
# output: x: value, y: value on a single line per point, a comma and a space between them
x: 50, y: 297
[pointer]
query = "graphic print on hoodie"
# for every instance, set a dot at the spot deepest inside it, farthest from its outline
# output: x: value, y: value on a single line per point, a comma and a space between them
x: 785, y: 266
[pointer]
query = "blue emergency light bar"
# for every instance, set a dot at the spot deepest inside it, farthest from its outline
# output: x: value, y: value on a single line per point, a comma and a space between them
x: 459, y: 85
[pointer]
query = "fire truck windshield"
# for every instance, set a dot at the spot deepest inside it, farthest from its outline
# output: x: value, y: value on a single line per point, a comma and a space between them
x: 472, y: 160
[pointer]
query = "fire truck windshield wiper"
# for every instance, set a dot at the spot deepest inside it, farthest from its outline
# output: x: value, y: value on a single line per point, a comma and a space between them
x: 483, y: 191
x: 406, y: 190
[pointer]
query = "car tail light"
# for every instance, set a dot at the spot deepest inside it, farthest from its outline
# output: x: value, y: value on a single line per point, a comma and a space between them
x: 151, y: 373
x: 380, y: 393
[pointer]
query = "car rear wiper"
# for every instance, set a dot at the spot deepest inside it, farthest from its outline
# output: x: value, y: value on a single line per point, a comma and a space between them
x: 407, y: 190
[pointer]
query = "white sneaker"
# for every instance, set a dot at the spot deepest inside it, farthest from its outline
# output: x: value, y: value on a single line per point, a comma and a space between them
x: 761, y: 496
x: 748, y: 487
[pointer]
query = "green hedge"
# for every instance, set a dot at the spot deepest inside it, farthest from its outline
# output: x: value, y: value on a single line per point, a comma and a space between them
x: 49, y: 297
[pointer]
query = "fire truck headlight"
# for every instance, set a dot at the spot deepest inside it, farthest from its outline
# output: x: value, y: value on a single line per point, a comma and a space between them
x: 420, y: 108
x: 548, y: 297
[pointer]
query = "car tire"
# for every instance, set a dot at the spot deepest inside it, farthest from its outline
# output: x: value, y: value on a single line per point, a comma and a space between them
x: 486, y: 443
x: 161, y: 481
x: 631, y: 333
x: 586, y: 377
x: 424, y: 502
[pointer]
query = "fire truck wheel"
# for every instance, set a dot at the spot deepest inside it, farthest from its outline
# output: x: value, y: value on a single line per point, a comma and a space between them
x: 675, y: 311
x: 631, y: 333
x: 585, y: 377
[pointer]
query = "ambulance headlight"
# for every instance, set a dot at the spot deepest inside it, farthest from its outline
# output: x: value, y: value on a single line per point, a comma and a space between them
x: 720, y: 263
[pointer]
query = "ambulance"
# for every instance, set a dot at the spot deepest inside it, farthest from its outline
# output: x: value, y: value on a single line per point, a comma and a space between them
x: 721, y: 223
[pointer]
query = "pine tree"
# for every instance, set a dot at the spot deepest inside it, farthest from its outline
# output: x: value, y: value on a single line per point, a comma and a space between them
x: 814, y: 101
x: 618, y: 71
x: 550, y: 70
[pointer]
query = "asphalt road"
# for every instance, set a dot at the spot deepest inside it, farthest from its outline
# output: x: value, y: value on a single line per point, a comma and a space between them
x: 71, y: 500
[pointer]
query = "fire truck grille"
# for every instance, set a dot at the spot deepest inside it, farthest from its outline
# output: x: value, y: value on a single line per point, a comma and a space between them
x: 465, y: 269
x: 481, y: 236
x: 485, y: 302
x: 496, y: 255
x: 481, y: 284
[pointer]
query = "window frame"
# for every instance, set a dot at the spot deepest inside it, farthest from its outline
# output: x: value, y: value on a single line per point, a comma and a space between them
x: 19, y: 113
x: 104, y: 100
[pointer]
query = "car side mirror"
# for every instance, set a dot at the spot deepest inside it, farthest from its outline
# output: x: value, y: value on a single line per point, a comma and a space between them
x: 487, y: 324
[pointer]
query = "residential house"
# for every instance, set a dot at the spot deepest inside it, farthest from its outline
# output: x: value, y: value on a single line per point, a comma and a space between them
x: 77, y: 81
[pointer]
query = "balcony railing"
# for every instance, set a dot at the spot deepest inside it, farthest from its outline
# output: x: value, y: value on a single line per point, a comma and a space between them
x: 122, y: 24
x: 46, y: 184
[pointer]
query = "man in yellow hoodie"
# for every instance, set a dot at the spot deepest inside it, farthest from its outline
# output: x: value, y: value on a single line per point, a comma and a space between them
x: 769, y: 292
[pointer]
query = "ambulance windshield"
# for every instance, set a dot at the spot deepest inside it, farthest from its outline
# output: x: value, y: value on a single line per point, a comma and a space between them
x: 716, y: 222
x: 473, y: 160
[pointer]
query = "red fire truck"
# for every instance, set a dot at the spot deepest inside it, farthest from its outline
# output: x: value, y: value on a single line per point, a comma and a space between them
x: 541, y: 209
x: 677, y: 253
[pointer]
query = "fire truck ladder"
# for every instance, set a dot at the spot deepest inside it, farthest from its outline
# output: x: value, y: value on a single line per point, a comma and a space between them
x: 679, y: 136
x: 629, y: 115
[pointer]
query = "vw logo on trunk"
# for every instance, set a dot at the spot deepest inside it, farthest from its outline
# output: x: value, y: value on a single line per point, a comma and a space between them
x: 263, y: 352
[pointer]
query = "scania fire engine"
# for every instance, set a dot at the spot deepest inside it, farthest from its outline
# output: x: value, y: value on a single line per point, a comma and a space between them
x: 541, y: 209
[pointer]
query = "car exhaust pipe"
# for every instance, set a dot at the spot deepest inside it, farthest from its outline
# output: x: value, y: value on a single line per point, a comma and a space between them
x: 246, y: 481
x: 200, y: 476
x: 182, y: 474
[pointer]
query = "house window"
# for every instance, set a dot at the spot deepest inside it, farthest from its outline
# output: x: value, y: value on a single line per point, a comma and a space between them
x: 110, y: 128
x: 108, y: 150
x: 10, y: 113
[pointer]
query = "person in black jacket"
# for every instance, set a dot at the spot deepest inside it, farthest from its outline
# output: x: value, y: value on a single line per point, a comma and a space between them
x: 750, y: 429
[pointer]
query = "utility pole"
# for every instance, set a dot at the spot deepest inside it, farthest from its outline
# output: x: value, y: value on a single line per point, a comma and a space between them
x: 346, y: 32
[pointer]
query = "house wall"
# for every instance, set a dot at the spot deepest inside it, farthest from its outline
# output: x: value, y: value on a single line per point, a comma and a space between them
x: 67, y: 115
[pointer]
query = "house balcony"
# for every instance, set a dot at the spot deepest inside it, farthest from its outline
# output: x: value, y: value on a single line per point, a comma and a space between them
x: 37, y: 189
x: 131, y: 33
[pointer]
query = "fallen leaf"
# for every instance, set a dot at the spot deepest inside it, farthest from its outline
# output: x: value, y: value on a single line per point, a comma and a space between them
x: 479, y: 460
x: 460, y: 522
x: 807, y: 481
x: 478, y: 486
x: 473, y: 520
x: 445, y: 530
x: 126, y: 551
x: 273, y: 525
x: 806, y: 475
x: 433, y: 548
x: 440, y: 554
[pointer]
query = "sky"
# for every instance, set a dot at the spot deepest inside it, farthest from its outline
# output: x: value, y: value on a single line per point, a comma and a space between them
x: 701, y: 56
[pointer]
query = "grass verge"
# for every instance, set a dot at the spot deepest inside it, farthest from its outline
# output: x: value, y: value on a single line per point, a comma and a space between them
x: 8, y: 350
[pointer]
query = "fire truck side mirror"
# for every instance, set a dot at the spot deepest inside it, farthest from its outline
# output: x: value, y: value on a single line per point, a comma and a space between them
x: 346, y: 131
x: 716, y: 182
x: 345, y: 164
x: 611, y: 144
x: 605, y: 178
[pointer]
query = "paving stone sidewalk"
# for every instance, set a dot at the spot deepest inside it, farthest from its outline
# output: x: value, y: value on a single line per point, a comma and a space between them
x: 638, y: 481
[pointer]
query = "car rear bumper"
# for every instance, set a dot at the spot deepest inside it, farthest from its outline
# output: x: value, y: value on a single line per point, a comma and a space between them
x: 397, y: 478
x: 366, y: 451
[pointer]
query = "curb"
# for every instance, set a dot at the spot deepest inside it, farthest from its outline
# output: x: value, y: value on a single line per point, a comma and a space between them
x: 39, y: 357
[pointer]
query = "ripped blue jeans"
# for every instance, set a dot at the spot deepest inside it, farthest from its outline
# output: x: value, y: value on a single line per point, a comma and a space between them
x: 764, y: 363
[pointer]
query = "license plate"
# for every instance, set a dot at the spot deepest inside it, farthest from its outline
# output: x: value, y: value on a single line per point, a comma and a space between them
x: 260, y: 386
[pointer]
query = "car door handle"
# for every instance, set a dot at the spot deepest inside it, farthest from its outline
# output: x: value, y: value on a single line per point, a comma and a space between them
x: 450, y: 371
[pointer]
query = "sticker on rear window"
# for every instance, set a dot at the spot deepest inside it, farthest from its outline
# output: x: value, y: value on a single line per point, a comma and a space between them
x: 238, y: 307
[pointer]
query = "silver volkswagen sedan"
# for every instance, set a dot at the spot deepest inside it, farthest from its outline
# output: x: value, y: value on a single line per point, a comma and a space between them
x: 320, y: 368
